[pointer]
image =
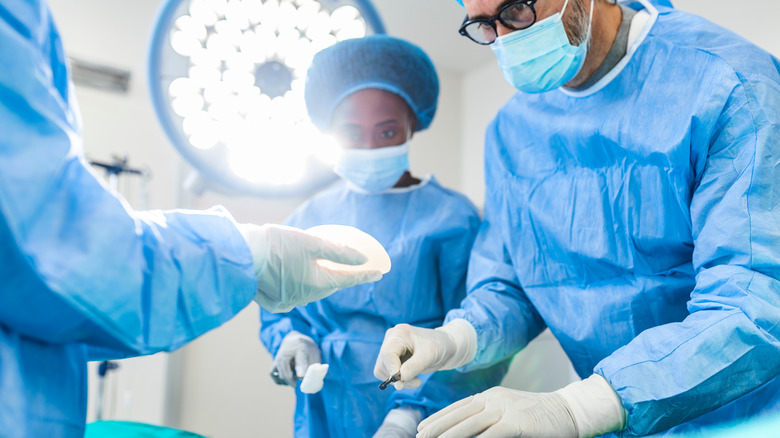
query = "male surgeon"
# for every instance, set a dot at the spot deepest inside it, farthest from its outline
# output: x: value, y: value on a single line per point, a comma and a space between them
x: 79, y: 268
x: 632, y: 197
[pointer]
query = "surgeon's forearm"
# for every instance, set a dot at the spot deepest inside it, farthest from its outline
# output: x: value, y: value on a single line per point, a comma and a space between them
x: 463, y: 339
x: 497, y: 338
x: 78, y: 264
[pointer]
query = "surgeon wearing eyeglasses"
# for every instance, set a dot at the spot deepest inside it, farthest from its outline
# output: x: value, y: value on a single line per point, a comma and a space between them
x: 632, y: 207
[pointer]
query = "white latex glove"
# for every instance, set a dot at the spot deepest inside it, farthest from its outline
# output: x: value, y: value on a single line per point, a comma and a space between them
x: 285, y: 262
x: 295, y: 354
x: 399, y: 423
x: 582, y: 409
x: 413, y: 351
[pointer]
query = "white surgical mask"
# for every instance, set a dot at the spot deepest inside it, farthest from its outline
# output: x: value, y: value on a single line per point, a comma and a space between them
x: 541, y: 58
x: 373, y: 170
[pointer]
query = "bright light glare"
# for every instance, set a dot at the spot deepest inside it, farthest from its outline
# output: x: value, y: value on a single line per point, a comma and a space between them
x: 266, y: 140
x: 240, y: 61
x: 186, y: 105
x: 195, y: 122
x: 206, y: 59
x: 191, y: 27
x: 319, y: 26
x: 251, y: 47
x: 236, y: 13
x: 300, y: 56
x: 355, y: 29
x: 323, y: 43
x: 218, y: 6
x: 220, y: 46
x: 202, y: 12
x: 238, y: 80
x: 184, y: 44
x: 270, y: 16
x: 266, y: 39
x: 287, y: 16
x: 204, y: 77
x: 342, y: 16
x: 229, y: 31
x: 216, y: 92
x: 204, y: 141
x: 286, y: 42
x: 305, y: 13
x: 324, y: 148
x: 223, y: 110
x: 253, y: 10
x: 183, y: 87
x: 274, y: 157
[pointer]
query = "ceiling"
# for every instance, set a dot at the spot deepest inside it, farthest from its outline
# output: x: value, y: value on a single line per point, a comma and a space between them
x: 433, y: 25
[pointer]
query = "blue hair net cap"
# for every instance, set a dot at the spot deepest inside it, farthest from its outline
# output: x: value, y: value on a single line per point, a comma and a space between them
x: 377, y: 61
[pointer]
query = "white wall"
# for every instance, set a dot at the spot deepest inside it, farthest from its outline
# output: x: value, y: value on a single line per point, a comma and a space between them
x: 484, y: 92
x: 756, y: 20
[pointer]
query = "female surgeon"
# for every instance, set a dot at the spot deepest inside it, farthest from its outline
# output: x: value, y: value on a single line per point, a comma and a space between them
x: 372, y: 94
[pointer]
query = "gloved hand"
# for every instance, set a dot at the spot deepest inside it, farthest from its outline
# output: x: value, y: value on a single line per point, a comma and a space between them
x: 428, y: 350
x: 285, y: 262
x: 582, y: 409
x: 399, y: 423
x: 295, y: 354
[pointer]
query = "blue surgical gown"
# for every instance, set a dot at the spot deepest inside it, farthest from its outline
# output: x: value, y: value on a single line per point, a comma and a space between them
x: 428, y: 232
x: 640, y: 222
x: 79, y: 267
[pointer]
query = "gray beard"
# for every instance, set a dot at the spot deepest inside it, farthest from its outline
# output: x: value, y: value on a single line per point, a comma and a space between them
x: 576, y: 22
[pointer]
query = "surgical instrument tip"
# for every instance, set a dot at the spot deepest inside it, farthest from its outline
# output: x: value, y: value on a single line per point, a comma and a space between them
x: 392, y: 379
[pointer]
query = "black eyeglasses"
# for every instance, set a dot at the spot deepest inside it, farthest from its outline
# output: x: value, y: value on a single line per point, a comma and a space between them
x: 517, y: 15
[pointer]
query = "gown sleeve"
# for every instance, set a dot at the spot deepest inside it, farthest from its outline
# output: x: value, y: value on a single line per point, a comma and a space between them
x: 78, y: 264
x: 729, y: 343
x: 442, y: 388
x: 497, y: 307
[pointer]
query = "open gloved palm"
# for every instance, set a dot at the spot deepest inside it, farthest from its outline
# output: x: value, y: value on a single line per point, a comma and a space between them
x: 582, y: 409
x: 288, y: 275
x: 503, y: 412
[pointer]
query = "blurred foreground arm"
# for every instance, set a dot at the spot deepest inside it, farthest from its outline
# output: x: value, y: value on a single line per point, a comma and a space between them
x: 399, y: 423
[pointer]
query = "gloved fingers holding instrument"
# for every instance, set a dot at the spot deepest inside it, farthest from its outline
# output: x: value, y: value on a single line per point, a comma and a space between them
x: 412, y: 351
x: 296, y: 352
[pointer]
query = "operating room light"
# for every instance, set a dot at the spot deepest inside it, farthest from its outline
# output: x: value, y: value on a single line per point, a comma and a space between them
x: 230, y: 93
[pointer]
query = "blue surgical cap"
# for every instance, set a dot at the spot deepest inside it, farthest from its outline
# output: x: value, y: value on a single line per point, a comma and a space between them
x: 379, y: 62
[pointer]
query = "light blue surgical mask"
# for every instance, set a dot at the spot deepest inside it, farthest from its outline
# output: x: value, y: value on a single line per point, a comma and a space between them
x: 540, y: 58
x: 373, y: 170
